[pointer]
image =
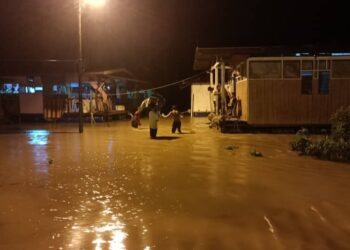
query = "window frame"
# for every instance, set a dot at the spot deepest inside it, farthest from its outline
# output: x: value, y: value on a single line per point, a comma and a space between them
x: 342, y: 58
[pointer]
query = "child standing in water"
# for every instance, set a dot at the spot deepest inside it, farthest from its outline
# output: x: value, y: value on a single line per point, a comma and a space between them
x: 153, y: 122
x: 176, y: 116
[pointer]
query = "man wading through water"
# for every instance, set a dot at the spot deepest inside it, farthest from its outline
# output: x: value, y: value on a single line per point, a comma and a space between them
x: 176, y: 116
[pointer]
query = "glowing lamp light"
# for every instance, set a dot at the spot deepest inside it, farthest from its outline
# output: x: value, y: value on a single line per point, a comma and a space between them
x: 94, y: 3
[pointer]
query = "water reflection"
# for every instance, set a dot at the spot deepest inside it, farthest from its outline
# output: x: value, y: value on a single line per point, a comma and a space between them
x: 113, y: 188
x: 38, y: 137
x: 39, y: 140
x: 112, y: 233
x: 108, y: 231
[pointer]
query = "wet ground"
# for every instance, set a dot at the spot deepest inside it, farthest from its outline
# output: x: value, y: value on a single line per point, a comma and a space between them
x: 114, y: 188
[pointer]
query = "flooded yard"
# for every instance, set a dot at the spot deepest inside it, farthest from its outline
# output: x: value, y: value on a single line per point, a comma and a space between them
x: 112, y: 187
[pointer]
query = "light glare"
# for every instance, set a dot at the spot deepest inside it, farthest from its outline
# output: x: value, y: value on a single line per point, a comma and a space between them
x: 95, y: 3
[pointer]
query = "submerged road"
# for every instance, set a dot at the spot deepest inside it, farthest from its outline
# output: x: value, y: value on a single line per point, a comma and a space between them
x: 114, y: 188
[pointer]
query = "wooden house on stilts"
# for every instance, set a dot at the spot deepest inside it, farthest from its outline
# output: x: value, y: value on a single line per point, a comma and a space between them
x: 273, y: 87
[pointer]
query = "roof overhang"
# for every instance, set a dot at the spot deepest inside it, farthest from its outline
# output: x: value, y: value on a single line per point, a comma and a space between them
x: 66, y: 75
x: 206, y: 57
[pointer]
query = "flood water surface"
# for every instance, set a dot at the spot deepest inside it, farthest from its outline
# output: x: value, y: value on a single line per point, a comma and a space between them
x: 112, y: 187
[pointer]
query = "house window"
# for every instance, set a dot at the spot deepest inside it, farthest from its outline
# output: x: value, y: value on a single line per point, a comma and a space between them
x: 306, y: 82
x: 9, y: 88
x: 341, y: 68
x: 308, y: 65
x: 265, y: 70
x: 322, y: 64
x: 59, y: 89
x: 323, y: 82
x: 291, y: 69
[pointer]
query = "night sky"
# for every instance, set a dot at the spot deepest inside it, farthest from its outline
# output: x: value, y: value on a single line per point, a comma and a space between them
x: 156, y: 39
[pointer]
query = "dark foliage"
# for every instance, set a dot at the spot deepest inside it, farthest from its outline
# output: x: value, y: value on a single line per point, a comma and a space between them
x: 302, y: 141
x: 335, y: 146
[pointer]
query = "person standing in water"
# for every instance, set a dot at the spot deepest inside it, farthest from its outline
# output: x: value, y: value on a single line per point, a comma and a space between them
x: 176, y: 116
x: 153, y: 122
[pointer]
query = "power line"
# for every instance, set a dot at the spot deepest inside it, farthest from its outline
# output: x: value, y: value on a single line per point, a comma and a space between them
x: 162, y: 86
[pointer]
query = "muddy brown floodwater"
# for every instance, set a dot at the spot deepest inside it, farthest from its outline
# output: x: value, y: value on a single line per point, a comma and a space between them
x: 114, y: 188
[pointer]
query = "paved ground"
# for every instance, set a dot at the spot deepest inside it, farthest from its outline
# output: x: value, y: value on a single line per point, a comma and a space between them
x: 114, y: 188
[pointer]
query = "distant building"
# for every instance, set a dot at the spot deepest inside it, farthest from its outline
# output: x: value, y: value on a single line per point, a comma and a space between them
x: 53, y: 95
x: 273, y: 86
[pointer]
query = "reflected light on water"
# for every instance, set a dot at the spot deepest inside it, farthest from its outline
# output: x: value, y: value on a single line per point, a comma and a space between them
x: 111, y: 233
x: 39, y: 140
x: 98, y: 242
x: 38, y: 137
x: 110, y: 146
x: 118, y: 236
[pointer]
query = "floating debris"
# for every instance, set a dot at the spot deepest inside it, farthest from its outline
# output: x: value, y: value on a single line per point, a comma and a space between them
x: 271, y: 229
x: 256, y: 153
x: 231, y: 147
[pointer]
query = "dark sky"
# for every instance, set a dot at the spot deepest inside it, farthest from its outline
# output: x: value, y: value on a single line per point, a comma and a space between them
x: 156, y: 39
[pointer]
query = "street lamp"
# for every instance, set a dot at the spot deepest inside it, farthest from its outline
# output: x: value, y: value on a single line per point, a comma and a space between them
x: 81, y: 4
